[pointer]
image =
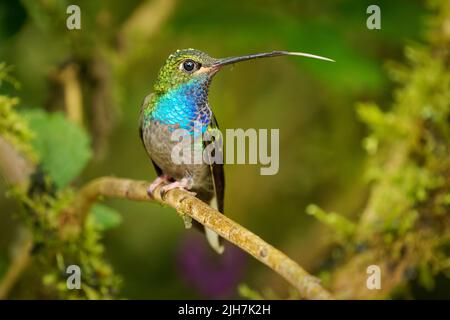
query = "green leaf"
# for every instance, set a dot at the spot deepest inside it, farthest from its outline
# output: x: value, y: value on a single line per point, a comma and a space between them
x: 62, y: 146
x: 105, y: 217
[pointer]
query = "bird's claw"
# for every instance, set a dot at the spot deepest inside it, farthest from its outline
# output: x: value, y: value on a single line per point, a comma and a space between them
x: 185, y: 184
x: 156, y: 183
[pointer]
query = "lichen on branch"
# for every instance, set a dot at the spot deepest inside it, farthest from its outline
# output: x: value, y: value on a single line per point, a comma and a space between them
x: 187, y: 204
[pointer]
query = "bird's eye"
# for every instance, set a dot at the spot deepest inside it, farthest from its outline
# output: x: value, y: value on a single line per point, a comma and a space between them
x: 189, y: 66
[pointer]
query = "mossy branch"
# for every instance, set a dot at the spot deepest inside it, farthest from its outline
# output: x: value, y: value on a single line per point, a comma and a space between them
x: 13, y: 166
x: 187, y: 204
x: 15, y: 169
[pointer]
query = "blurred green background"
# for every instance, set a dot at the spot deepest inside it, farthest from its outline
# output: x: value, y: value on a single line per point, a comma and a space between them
x: 311, y: 102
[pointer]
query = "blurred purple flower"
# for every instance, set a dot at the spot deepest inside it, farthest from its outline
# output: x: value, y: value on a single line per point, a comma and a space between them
x: 212, y: 275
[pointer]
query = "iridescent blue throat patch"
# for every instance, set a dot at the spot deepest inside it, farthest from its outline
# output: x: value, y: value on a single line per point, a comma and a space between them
x: 185, y: 105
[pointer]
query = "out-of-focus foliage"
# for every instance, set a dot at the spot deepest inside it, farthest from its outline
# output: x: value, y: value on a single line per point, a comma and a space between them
x: 405, y: 227
x: 62, y: 146
x: 321, y: 157
x: 12, y: 125
x: 58, y: 244
x: 340, y: 224
x: 416, y: 127
x: 104, y: 217
x: 57, y: 241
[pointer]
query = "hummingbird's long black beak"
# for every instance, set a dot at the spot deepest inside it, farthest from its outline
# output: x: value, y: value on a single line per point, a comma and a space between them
x: 225, y: 61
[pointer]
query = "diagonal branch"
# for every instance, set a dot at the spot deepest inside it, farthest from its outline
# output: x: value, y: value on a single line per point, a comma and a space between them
x: 186, y: 204
x: 19, y: 264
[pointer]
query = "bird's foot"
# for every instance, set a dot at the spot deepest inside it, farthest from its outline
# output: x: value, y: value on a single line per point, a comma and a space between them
x: 185, y: 184
x: 156, y: 183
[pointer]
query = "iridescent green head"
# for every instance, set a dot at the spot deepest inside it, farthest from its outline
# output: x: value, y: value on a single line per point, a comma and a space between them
x: 182, y: 67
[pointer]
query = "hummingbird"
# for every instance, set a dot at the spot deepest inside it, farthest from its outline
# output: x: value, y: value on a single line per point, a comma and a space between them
x: 180, y: 101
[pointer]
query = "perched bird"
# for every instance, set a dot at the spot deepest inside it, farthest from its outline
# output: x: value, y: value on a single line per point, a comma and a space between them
x: 179, y: 101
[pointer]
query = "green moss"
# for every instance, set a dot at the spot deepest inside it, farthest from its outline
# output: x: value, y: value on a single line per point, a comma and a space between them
x: 59, y: 243
x: 406, y: 222
x: 12, y: 126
